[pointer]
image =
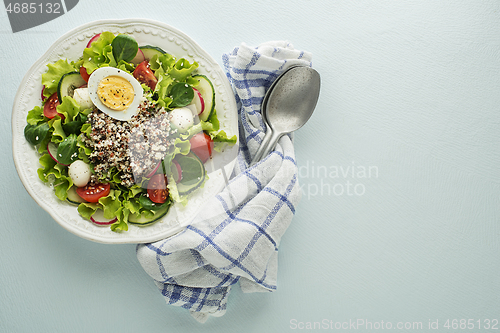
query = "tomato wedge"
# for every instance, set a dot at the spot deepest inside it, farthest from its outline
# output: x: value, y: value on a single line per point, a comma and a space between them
x: 92, y: 193
x: 202, y: 145
x: 145, y: 75
x: 84, y: 74
x: 49, y: 108
x: 157, y: 188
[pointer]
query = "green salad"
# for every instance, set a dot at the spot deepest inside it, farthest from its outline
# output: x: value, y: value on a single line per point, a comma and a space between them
x: 124, y: 131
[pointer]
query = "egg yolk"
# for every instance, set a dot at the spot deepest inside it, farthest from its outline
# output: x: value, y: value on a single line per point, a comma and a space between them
x: 115, y: 92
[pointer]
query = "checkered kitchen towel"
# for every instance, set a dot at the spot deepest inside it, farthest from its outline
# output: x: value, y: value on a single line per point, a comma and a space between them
x: 236, y: 237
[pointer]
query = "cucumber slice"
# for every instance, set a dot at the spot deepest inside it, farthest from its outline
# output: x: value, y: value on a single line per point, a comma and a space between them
x: 193, y: 173
x: 149, y: 51
x: 140, y: 219
x: 73, y: 197
x: 207, y: 91
x: 68, y: 83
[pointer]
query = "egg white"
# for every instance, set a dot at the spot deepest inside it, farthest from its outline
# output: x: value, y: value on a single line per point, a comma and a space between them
x: 103, y: 72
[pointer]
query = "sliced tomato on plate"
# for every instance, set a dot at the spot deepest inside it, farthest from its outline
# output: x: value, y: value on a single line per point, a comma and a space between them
x: 145, y: 75
x: 84, y: 74
x: 49, y: 108
x: 157, y: 188
x: 92, y: 193
x: 202, y: 145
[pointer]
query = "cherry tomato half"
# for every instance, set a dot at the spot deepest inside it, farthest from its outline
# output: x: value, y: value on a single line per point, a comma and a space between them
x: 49, y: 108
x: 145, y: 75
x: 92, y: 193
x: 84, y: 74
x: 202, y: 145
x: 157, y: 188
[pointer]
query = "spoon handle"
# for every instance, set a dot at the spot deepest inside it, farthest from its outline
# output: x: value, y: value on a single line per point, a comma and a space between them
x: 265, y: 141
x: 268, y: 144
x: 258, y: 155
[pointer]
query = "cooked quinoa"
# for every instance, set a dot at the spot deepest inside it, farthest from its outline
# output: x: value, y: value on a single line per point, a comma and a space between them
x: 134, y: 147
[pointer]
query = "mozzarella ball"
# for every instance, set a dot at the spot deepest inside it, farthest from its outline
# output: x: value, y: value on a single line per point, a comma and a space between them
x: 82, y: 97
x: 181, y: 118
x: 79, y: 172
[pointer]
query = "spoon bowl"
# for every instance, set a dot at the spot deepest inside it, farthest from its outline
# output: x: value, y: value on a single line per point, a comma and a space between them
x: 288, y: 105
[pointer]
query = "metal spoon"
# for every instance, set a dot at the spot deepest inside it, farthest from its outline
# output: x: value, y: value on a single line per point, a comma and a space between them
x: 266, y: 138
x: 288, y: 105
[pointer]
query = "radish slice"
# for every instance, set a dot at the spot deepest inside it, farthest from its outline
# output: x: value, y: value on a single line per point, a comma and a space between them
x: 176, y: 171
x: 52, y: 149
x: 193, y: 109
x: 139, y: 57
x: 93, y: 39
x: 149, y: 175
x: 198, y: 102
x: 99, y: 219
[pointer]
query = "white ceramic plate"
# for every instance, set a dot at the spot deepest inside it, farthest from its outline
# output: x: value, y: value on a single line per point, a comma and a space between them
x: 70, y: 46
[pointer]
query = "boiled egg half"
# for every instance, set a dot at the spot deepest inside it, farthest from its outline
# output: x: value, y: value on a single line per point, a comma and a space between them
x: 115, y: 92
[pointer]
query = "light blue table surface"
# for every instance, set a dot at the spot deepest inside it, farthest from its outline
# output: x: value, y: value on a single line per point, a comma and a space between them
x: 410, y: 102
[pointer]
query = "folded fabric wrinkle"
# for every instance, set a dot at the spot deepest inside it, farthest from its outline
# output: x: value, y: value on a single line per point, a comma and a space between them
x: 236, y: 236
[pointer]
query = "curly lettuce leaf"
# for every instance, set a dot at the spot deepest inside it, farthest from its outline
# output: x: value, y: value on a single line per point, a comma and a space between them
x: 61, y: 187
x: 58, y: 134
x: 72, y: 122
x: 170, y: 73
x: 214, y: 120
x: 133, y: 191
x: 125, y: 66
x: 87, y: 209
x: 111, y: 204
x: 132, y: 205
x: 100, y: 53
x: 221, y: 136
x: 86, y: 129
x: 182, y: 69
x: 222, y: 140
x: 48, y: 168
x: 122, y: 219
x: 206, y: 126
x: 212, y: 128
x: 51, y: 78
x: 84, y: 152
x: 162, y: 64
x: 55, y: 173
x: 35, y: 116
x: 181, y: 146
x: 69, y: 108
x: 162, y: 90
